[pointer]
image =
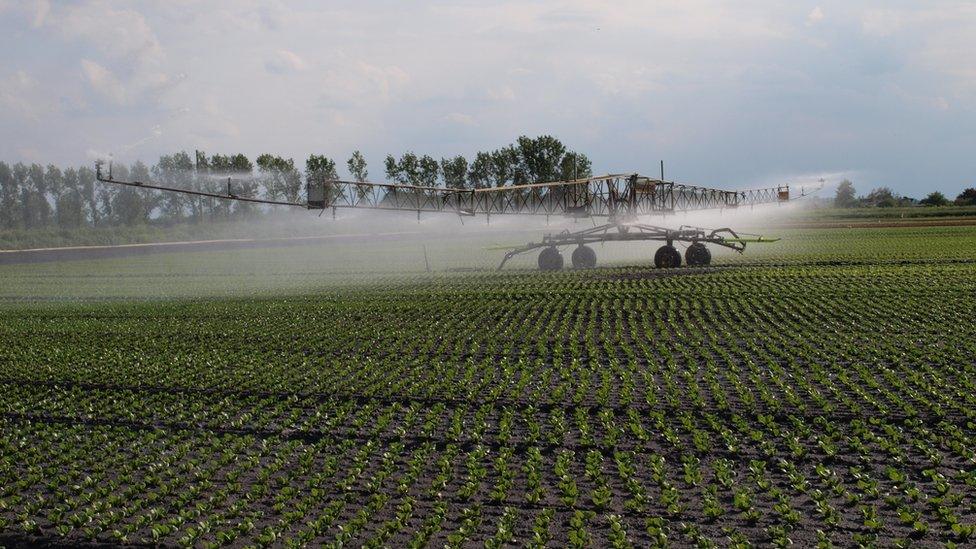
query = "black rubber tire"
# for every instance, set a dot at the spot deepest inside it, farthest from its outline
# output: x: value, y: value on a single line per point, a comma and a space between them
x: 584, y: 257
x: 550, y: 260
x: 675, y: 258
x: 667, y: 257
x: 697, y: 255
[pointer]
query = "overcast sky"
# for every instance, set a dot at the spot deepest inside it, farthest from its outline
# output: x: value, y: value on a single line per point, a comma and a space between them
x: 728, y: 95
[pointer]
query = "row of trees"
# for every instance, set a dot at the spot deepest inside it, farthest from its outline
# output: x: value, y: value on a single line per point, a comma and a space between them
x: 883, y: 197
x: 528, y: 160
x: 34, y: 196
x: 965, y: 198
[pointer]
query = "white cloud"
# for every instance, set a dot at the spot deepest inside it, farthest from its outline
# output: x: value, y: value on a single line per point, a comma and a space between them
x: 270, y: 17
x: 285, y: 61
x: 103, y: 82
x: 697, y: 20
x: 385, y: 81
x: 815, y: 16
x: 23, y: 80
x: 19, y: 96
x: 461, y: 119
x: 943, y: 43
x: 877, y: 22
x: 41, y: 9
x: 354, y: 84
x: 258, y: 19
x: 33, y: 11
x: 622, y: 79
x: 501, y: 93
x: 123, y: 62
x: 116, y: 33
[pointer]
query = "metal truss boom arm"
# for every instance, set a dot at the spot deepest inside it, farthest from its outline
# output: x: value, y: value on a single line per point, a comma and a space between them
x: 228, y: 196
x: 613, y: 196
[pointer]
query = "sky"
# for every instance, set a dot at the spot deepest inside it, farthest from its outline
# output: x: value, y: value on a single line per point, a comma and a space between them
x: 728, y: 94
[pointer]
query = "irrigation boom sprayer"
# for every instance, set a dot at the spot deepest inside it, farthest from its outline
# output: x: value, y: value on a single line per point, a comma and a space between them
x: 619, y: 199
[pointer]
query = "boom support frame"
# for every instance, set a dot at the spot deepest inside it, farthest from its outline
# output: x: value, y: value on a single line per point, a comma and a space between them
x: 619, y: 198
x: 610, y: 196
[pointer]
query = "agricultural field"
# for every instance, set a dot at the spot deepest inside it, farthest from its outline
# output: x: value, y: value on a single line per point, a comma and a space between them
x: 819, y: 391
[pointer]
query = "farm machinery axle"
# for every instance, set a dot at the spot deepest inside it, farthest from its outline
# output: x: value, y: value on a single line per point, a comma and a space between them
x: 667, y: 256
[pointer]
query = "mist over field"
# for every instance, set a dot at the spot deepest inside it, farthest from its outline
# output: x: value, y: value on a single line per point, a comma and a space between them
x: 301, y: 255
x: 296, y: 249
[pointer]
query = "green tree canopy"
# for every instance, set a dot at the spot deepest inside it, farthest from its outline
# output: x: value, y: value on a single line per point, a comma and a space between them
x: 428, y: 171
x: 357, y: 166
x: 176, y: 170
x: 967, y: 197
x: 575, y: 166
x: 38, y: 196
x: 132, y: 206
x: 405, y: 171
x: 320, y: 167
x: 9, y: 197
x: 935, y: 199
x: 846, y: 196
x: 881, y: 197
x: 480, y: 171
x: 455, y: 172
x: 279, y: 177
x: 37, y: 211
x: 70, y: 213
x: 506, y: 167
x: 541, y: 157
x: 241, y: 169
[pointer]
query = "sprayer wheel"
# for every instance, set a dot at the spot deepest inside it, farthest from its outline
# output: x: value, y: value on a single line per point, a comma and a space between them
x: 667, y: 257
x: 697, y: 255
x: 584, y: 257
x: 550, y: 260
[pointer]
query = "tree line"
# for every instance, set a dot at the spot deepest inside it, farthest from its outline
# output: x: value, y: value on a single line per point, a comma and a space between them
x: 34, y: 196
x: 884, y: 197
x: 528, y: 160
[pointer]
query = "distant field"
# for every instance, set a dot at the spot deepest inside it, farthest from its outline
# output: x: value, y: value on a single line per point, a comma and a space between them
x: 884, y: 217
x: 818, y: 389
x: 919, y: 212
